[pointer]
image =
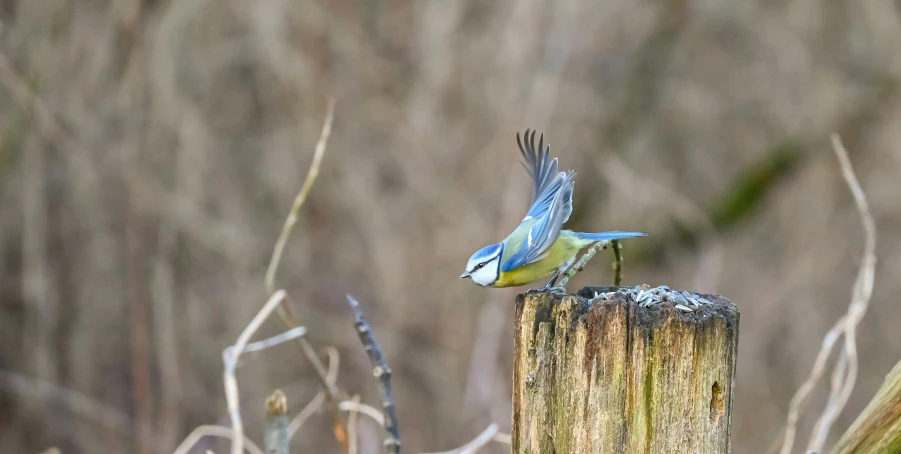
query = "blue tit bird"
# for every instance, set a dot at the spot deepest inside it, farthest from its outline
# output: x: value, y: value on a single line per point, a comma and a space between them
x: 538, y: 247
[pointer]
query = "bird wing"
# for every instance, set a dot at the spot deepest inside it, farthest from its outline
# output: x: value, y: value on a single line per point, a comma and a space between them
x: 551, y: 206
x: 545, y: 176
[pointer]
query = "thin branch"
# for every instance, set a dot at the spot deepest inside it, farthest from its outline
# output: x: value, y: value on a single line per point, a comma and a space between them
x: 800, y: 398
x: 300, y: 198
x: 503, y: 438
x: 860, y: 300
x: 580, y: 265
x: 287, y: 336
x: 352, y: 428
x: 230, y: 358
x: 845, y: 373
x: 276, y: 434
x: 331, y: 391
x: 617, y: 262
x: 487, y: 436
x: 333, y: 361
x: 367, y: 410
x: 382, y: 373
x: 213, y: 431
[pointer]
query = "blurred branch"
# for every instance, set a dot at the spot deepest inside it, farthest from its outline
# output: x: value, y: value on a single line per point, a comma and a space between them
x: 213, y: 431
x: 204, y: 229
x: 846, y: 368
x: 300, y: 198
x: 352, y: 428
x: 878, y: 428
x: 860, y: 300
x: 316, y: 402
x: 275, y: 340
x: 276, y: 434
x: 653, y: 193
x: 77, y: 402
x: 367, y: 410
x: 284, y: 311
x: 230, y: 357
x: 487, y: 436
x: 382, y: 374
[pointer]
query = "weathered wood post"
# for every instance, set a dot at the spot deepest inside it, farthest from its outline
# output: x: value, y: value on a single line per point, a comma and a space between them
x: 606, y: 375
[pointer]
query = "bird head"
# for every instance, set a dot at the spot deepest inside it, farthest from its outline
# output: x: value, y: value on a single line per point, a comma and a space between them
x: 484, y: 266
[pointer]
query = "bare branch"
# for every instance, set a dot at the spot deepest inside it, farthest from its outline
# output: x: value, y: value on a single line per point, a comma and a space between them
x: 300, y: 198
x: 845, y: 371
x: 367, y: 410
x: 275, y: 340
x: 276, y: 434
x: 487, y: 436
x: 213, y: 431
x: 382, y: 374
x: 230, y: 358
x: 352, y: 428
x: 331, y: 391
x: 333, y: 361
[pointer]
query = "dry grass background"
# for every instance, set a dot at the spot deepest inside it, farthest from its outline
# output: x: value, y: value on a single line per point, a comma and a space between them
x: 142, y: 190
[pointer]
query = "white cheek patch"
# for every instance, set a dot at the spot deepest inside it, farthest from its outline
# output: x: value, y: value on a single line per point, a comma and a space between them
x: 486, y: 275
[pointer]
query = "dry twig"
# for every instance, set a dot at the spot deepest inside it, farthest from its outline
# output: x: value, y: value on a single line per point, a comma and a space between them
x: 352, y: 428
x: 487, y: 436
x: 309, y: 353
x: 334, y: 360
x: 368, y: 410
x: 213, y: 431
x: 230, y: 358
x: 276, y: 435
x: 300, y: 198
x: 845, y: 372
x: 382, y: 374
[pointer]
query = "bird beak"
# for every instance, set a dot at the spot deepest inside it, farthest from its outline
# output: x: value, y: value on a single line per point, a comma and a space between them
x: 464, y: 275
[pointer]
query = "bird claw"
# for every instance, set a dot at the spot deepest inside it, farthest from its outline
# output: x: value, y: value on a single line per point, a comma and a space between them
x: 557, y: 290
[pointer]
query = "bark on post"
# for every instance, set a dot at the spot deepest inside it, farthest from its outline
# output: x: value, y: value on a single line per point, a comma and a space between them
x: 614, y: 377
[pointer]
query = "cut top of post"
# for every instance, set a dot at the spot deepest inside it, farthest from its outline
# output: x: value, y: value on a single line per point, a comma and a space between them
x: 623, y: 370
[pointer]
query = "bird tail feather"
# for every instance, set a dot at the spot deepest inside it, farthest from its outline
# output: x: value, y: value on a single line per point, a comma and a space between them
x: 606, y: 236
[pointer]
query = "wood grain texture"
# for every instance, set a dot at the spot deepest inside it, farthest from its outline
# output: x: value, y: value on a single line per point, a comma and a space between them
x: 612, y: 377
x: 878, y: 428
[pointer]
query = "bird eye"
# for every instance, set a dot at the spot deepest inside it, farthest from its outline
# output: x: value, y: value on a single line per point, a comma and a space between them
x: 479, y: 266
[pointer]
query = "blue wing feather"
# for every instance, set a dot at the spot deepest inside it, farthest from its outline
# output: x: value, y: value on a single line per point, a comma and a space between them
x: 551, y: 206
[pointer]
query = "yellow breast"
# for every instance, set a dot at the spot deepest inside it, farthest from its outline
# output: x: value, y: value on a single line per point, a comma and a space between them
x: 560, y: 252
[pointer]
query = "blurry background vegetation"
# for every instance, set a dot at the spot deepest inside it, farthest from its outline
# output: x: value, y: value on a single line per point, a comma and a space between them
x: 143, y: 187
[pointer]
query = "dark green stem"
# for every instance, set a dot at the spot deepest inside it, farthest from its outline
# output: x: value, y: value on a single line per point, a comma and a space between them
x: 617, y: 263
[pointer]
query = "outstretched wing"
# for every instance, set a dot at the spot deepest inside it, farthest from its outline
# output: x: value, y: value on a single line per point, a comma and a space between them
x: 545, y: 176
x: 551, y: 206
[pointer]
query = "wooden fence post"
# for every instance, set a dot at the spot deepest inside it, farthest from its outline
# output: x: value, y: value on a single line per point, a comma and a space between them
x: 610, y: 376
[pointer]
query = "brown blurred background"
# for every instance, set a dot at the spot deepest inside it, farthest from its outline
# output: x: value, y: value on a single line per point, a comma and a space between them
x: 143, y: 188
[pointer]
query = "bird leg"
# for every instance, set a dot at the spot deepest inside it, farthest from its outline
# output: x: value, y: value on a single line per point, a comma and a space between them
x: 580, y: 265
x: 553, y: 280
